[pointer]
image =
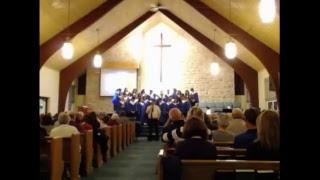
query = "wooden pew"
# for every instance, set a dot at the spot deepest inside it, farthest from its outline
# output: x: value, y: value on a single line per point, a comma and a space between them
x: 52, y: 147
x: 231, y: 153
x: 87, y: 151
x: 222, y: 152
x: 114, y: 141
x: 71, y: 154
x: 223, y: 143
x: 107, y: 131
x: 98, y: 156
x: 129, y: 133
x: 119, y: 138
x: 206, y: 169
x: 124, y: 135
x: 133, y: 131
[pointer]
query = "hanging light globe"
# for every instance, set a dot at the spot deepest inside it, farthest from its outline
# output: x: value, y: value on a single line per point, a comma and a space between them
x: 267, y: 10
x: 97, y: 60
x: 67, y: 50
x: 230, y: 50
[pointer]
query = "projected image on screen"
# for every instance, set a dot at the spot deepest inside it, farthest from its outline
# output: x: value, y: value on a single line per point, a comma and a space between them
x: 112, y: 79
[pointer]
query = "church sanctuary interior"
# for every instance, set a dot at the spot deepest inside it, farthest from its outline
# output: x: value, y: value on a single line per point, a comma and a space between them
x: 159, y: 89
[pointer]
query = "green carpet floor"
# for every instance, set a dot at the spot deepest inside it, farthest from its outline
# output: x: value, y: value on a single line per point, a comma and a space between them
x: 136, y: 162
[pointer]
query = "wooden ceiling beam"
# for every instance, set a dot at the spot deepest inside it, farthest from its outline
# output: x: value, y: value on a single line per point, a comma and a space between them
x: 267, y: 56
x: 48, y: 48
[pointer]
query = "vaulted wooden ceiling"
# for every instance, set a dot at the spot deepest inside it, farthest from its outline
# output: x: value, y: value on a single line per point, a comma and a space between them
x: 244, y: 14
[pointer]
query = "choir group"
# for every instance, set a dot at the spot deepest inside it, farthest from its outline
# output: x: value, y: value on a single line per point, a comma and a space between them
x: 134, y: 104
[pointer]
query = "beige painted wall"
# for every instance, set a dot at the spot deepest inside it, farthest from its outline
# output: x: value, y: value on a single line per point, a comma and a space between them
x: 262, y: 94
x: 49, y: 87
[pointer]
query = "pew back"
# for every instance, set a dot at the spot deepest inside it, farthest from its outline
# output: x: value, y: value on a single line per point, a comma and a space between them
x: 71, y: 154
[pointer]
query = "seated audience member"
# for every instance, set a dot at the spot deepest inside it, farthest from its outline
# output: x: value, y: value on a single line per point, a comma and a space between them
x: 64, y: 129
x: 211, y: 124
x: 243, y: 140
x: 47, y: 122
x: 105, y: 120
x: 237, y: 124
x: 84, y: 125
x: 100, y: 118
x: 222, y: 134
x: 175, y: 121
x: 99, y: 136
x: 176, y: 134
x: 114, y: 120
x: 43, y: 133
x: 267, y: 144
x: 195, y: 145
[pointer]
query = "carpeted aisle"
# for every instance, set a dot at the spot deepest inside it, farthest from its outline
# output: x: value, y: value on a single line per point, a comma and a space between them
x: 136, y: 162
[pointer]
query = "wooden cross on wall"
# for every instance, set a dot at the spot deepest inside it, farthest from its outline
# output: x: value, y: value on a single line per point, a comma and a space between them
x: 161, y: 46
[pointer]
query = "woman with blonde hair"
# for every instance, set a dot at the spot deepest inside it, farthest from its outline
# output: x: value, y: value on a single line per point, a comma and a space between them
x: 267, y: 144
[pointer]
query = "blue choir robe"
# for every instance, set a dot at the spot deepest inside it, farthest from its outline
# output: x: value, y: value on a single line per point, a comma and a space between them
x: 164, y: 112
x: 131, y: 107
x: 116, y: 103
x: 194, y: 98
x: 184, y: 107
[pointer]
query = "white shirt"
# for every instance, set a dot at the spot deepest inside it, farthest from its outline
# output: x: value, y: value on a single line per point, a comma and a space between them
x: 64, y: 130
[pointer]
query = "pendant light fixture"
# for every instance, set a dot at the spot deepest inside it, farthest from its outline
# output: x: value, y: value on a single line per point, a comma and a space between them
x: 67, y: 48
x: 230, y: 48
x: 267, y: 10
x: 97, y: 59
x: 214, y: 67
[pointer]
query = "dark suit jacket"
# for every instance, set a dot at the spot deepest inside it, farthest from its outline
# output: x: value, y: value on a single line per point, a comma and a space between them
x: 196, y: 148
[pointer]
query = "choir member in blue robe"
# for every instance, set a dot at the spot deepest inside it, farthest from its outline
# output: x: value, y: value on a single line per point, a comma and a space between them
x: 174, y: 94
x: 116, y: 101
x: 185, y: 105
x: 164, y: 112
x: 131, y: 107
x: 194, y: 98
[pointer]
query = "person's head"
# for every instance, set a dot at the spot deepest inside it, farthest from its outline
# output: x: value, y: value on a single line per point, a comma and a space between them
x: 79, y: 117
x: 268, y: 128
x: 195, y: 127
x: 168, y: 91
x: 175, y: 114
x: 186, y: 92
x: 64, y: 118
x: 150, y: 91
x: 237, y: 113
x: 251, y: 115
x: 223, y: 121
x: 106, y: 118
x: 153, y: 102
x: 214, y: 116
x: 195, y: 112
x: 191, y: 89
x: 46, y: 120
x: 101, y: 115
x: 115, y: 117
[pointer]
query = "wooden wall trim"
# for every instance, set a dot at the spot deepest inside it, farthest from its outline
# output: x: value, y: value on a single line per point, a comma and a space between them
x: 268, y: 57
x: 48, y: 48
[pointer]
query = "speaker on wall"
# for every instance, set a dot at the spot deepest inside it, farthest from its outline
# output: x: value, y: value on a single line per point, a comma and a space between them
x: 82, y: 84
